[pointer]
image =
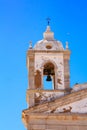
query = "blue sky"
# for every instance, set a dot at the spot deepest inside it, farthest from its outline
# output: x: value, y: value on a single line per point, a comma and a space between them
x: 25, y: 20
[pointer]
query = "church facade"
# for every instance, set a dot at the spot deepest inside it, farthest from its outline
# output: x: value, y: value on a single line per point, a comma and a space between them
x: 58, y: 107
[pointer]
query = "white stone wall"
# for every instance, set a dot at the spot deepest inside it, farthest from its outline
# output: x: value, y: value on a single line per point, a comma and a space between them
x: 76, y: 107
x: 48, y: 96
x: 56, y: 59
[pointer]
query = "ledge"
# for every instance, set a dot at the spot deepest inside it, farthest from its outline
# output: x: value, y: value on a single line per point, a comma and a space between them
x: 42, y: 90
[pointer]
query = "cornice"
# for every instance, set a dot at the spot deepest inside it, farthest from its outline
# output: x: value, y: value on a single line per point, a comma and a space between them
x: 32, y: 51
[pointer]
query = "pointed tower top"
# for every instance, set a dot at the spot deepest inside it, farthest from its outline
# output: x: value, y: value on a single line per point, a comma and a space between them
x: 48, y: 42
x: 48, y: 29
x: 48, y: 35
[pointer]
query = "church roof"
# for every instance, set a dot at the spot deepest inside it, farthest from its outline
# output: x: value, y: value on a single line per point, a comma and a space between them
x: 73, y: 104
x: 48, y: 42
x: 77, y: 99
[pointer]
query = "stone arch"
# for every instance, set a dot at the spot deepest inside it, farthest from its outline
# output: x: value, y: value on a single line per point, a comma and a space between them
x: 54, y: 79
x: 48, y: 61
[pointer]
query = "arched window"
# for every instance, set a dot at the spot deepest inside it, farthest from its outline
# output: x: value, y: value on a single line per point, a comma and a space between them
x: 49, y: 76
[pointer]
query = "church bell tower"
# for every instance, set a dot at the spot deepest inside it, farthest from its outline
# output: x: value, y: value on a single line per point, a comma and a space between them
x: 47, y: 59
x: 52, y: 104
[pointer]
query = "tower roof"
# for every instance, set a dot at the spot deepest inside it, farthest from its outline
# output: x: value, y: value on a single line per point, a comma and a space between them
x: 48, y: 42
x: 48, y: 34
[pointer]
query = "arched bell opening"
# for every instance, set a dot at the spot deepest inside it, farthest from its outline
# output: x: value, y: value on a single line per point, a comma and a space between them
x: 49, y: 76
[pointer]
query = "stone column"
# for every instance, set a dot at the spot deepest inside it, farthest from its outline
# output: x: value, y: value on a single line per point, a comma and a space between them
x: 42, y: 77
x: 55, y: 79
x: 66, y: 70
x: 30, y: 65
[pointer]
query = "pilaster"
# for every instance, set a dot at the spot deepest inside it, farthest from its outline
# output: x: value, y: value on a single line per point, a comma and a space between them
x: 66, y: 70
x: 30, y: 65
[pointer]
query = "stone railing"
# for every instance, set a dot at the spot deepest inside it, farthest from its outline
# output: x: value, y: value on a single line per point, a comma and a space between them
x: 43, y: 96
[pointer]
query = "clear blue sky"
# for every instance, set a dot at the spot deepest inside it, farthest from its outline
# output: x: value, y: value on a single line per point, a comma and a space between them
x: 25, y: 20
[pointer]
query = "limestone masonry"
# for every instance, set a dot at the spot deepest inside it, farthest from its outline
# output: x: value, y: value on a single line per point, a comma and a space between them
x: 60, y: 107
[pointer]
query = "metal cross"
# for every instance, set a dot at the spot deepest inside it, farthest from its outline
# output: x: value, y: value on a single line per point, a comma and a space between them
x: 48, y: 20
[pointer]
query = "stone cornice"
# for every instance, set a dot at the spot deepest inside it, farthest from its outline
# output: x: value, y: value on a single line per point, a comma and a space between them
x: 60, y: 116
x: 29, y: 52
x: 42, y: 90
x: 55, y: 119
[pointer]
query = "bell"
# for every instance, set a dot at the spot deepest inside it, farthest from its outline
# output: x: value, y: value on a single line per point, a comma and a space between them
x: 48, y: 78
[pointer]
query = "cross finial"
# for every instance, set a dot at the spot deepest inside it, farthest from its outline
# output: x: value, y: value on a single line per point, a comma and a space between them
x: 30, y: 44
x: 48, y: 21
x: 67, y: 47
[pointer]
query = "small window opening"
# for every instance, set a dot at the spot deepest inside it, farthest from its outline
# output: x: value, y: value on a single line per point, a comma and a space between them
x: 48, y: 46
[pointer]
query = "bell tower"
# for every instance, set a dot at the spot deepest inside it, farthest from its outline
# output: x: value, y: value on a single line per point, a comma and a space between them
x: 47, y: 59
x: 53, y: 105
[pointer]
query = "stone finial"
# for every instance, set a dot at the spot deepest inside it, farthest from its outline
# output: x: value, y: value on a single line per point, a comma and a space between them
x: 67, y: 47
x: 48, y: 34
x: 48, y: 29
x: 30, y: 45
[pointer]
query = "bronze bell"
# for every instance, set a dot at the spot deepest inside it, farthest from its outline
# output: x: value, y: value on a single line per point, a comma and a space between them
x: 48, y: 78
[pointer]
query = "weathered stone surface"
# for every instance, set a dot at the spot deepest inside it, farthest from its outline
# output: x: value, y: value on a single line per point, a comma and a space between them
x: 59, y: 109
x: 54, y: 122
x: 62, y: 101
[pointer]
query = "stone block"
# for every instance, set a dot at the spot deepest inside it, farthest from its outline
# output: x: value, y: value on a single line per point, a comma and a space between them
x: 38, y: 127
